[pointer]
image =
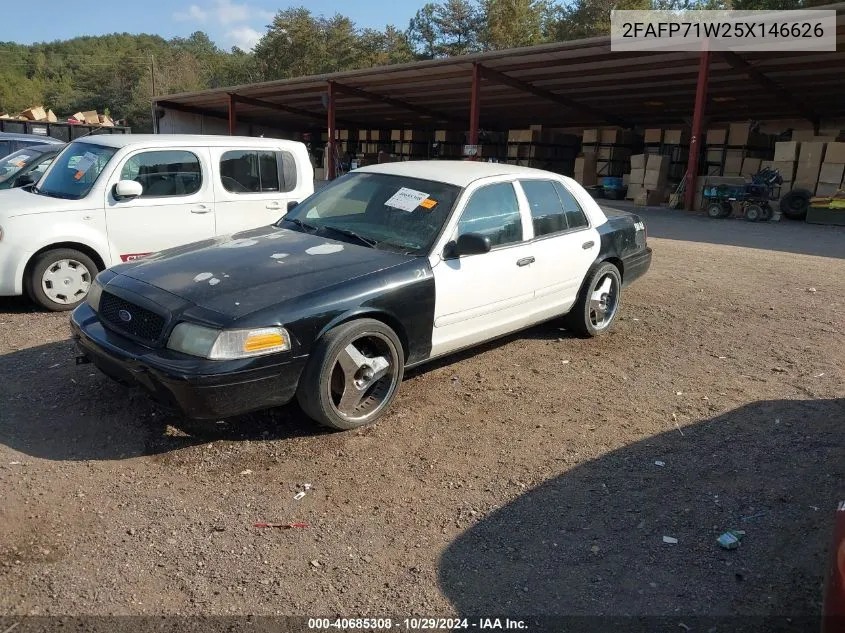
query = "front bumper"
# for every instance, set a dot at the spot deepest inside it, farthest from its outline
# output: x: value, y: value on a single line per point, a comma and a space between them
x: 636, y: 265
x: 200, y: 389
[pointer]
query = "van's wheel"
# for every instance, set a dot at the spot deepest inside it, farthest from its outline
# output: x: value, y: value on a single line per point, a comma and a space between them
x: 353, y: 375
x: 59, y: 279
x: 598, y: 302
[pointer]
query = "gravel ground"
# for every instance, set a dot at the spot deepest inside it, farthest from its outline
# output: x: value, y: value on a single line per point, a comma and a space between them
x: 521, y: 478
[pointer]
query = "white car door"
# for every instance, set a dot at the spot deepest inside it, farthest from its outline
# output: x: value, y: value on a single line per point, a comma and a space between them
x: 565, y: 246
x: 482, y: 296
x: 253, y: 187
x: 176, y: 206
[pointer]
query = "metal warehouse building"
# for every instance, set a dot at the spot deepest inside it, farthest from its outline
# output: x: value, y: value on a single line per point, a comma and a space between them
x: 571, y: 86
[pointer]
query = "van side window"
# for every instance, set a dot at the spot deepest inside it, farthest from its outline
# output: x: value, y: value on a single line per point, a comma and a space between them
x: 166, y: 173
x: 257, y: 171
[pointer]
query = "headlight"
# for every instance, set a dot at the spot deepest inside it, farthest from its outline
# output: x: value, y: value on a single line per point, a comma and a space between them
x: 95, y: 291
x: 205, y: 342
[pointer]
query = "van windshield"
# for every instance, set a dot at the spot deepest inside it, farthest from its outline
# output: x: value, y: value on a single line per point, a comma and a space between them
x: 75, y: 171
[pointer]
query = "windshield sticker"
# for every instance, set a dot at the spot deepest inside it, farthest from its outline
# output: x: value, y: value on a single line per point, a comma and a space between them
x: 428, y: 203
x: 406, y: 199
x: 19, y: 161
x: 83, y: 164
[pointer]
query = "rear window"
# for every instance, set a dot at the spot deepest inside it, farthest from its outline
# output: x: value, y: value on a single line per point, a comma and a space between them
x: 257, y: 171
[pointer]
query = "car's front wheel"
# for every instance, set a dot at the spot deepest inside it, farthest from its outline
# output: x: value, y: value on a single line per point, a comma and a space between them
x: 353, y: 375
x: 598, y: 302
x: 59, y: 279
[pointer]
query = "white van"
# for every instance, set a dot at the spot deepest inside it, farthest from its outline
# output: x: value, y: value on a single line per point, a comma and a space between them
x: 114, y: 198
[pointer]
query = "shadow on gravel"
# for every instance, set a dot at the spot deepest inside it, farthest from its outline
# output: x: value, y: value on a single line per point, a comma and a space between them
x: 53, y: 409
x: 786, y: 236
x: 590, y: 542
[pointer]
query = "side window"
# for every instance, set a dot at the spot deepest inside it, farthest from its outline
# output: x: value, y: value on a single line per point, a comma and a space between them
x: 41, y: 167
x: 547, y: 213
x: 166, y: 173
x: 575, y: 217
x: 493, y: 211
x: 288, y: 171
x: 250, y: 171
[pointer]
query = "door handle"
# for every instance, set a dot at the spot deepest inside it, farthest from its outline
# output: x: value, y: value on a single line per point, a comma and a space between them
x: 588, y: 245
x: 525, y: 261
x: 274, y: 206
x: 201, y: 209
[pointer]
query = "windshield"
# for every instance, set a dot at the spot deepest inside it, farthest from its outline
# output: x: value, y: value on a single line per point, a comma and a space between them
x: 15, y: 162
x: 75, y: 171
x: 396, y: 212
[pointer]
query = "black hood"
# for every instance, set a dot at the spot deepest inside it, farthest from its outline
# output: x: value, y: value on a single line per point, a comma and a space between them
x: 240, y: 273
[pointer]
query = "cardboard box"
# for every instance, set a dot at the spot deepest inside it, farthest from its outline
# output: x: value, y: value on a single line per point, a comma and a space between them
x: 91, y: 117
x: 653, y: 135
x: 675, y: 137
x: 733, y: 162
x: 590, y: 136
x: 585, y: 169
x: 657, y: 162
x: 414, y: 136
x: 448, y: 136
x: 637, y: 176
x: 804, y: 184
x: 714, y: 155
x: 656, y: 197
x: 343, y: 135
x: 787, y: 150
x: 786, y: 169
x: 626, y: 179
x: 35, y: 113
x: 641, y: 199
x: 808, y: 135
x: 827, y: 189
x: 615, y: 136
x: 376, y: 135
x: 520, y: 136
x: 363, y: 135
x: 835, y: 153
x: 739, y: 133
x: 614, y: 153
x: 831, y: 173
x: 51, y: 117
x: 634, y: 190
x: 638, y: 161
x: 750, y: 166
x: 810, y: 158
x: 106, y: 120
x: 717, y: 137
x: 656, y: 178
x: 395, y: 135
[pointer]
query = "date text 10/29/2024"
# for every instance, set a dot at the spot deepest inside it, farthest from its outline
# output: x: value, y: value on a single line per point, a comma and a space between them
x: 416, y: 624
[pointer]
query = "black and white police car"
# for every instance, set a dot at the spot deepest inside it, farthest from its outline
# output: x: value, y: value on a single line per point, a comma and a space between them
x: 387, y: 267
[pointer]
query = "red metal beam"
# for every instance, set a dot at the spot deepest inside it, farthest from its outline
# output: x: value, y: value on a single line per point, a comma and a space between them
x: 697, y: 118
x: 475, y: 104
x: 524, y: 86
x: 233, y: 115
x: 330, y: 148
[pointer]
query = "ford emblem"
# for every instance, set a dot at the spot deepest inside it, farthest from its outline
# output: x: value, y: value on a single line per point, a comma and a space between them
x: 125, y: 316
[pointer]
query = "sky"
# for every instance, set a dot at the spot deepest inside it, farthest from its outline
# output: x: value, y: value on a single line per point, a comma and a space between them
x: 227, y: 22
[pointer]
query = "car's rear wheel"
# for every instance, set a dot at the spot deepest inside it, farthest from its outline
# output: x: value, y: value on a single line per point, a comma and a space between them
x: 598, y: 302
x: 59, y: 279
x: 353, y: 375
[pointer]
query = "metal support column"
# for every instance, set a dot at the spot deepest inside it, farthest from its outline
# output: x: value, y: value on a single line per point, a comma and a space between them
x: 330, y: 146
x: 475, y: 104
x: 233, y: 115
x: 697, y: 132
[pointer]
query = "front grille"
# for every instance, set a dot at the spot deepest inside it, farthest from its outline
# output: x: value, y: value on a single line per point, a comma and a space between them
x: 142, y: 324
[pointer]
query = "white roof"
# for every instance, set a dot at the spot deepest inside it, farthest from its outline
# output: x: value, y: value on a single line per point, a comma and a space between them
x: 454, y: 172
x: 196, y: 140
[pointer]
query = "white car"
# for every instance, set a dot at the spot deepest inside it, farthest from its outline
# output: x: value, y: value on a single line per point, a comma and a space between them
x: 108, y: 199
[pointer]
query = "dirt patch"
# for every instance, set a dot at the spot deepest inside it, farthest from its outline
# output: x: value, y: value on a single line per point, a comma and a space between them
x: 519, y: 478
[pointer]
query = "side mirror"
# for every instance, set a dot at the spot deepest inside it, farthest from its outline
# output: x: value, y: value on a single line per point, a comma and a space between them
x: 127, y: 189
x: 24, y: 179
x: 470, y: 244
x: 292, y: 204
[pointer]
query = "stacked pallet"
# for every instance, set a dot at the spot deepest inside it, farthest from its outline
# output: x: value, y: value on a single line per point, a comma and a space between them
x: 648, y: 180
x: 542, y: 149
x: 586, y: 169
x: 671, y: 142
x: 613, y: 148
x: 736, y: 151
x: 409, y: 144
x: 832, y: 170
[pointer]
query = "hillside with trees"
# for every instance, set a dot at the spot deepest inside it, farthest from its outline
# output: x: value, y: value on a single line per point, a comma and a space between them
x: 117, y: 74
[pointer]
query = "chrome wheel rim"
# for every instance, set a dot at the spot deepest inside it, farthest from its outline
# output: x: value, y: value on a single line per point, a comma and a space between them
x: 363, y: 377
x: 604, y: 300
x: 66, y: 281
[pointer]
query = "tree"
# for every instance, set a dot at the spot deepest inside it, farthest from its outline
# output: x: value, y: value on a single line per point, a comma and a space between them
x: 422, y: 32
x: 458, y: 24
x: 512, y: 23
